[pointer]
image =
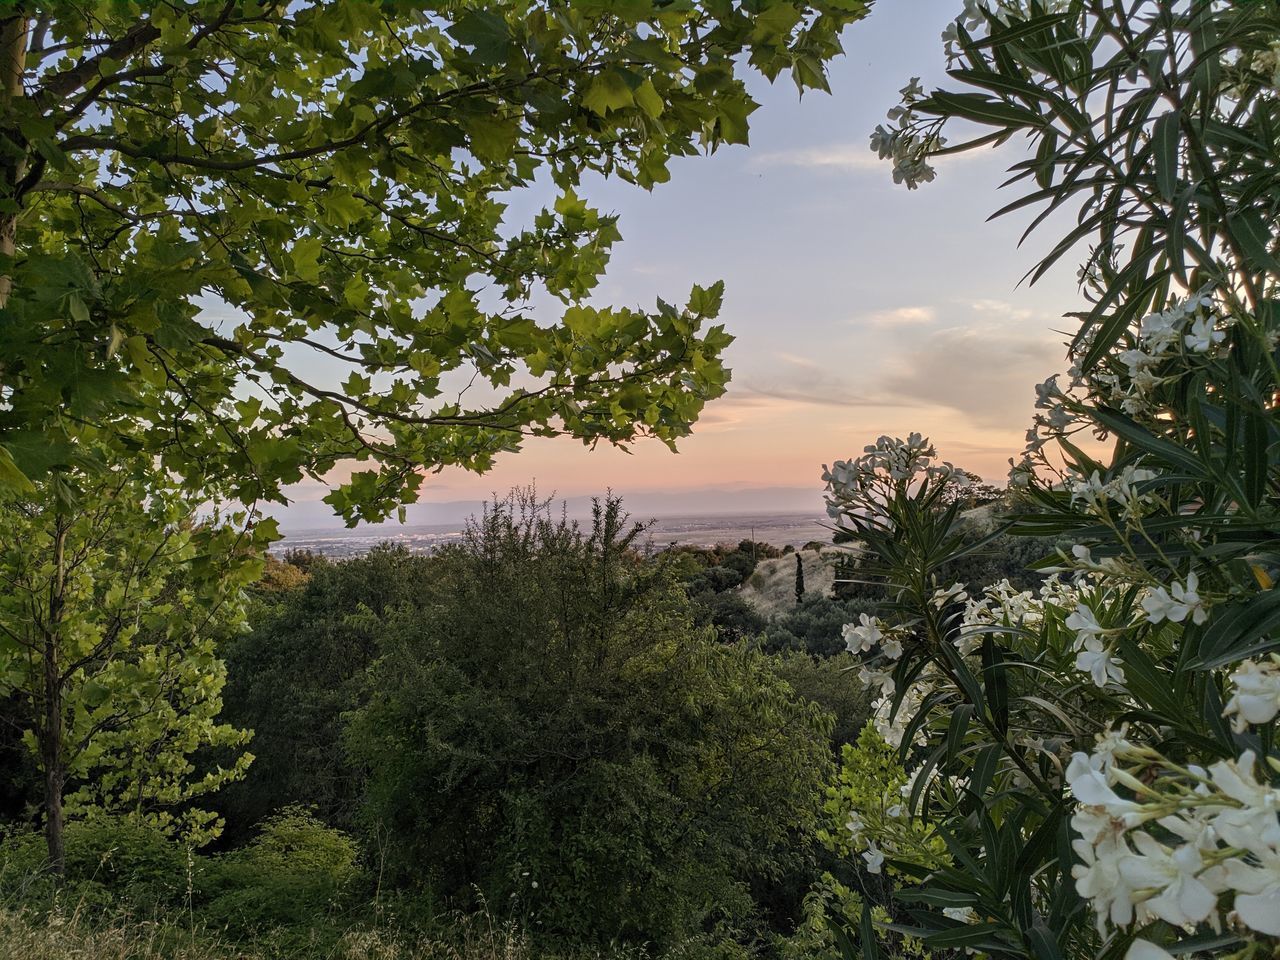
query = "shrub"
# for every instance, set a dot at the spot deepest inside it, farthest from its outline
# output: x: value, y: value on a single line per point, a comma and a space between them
x: 291, y: 874
x: 111, y: 863
x: 833, y: 684
x: 1098, y: 754
x: 814, y: 626
x: 302, y: 666
x: 557, y: 735
x: 732, y: 617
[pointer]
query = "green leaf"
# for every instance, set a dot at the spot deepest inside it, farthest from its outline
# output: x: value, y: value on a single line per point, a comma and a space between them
x: 774, y: 25
x: 306, y: 258
x: 982, y: 109
x: 649, y: 100
x: 1240, y: 630
x: 11, y: 478
x: 867, y: 931
x: 77, y: 308
x: 1247, y: 226
x: 485, y: 32
x: 1043, y: 944
x: 1165, y: 142
x: 608, y: 92
x: 1171, y: 453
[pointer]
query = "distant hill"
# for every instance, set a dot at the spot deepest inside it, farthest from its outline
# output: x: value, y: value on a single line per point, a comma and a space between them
x: 771, y: 589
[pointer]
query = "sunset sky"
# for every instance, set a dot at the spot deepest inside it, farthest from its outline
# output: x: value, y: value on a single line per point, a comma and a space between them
x: 859, y: 307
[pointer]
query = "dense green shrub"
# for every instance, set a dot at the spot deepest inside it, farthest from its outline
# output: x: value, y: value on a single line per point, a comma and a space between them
x: 301, y: 667
x: 833, y: 684
x: 290, y: 875
x: 111, y: 863
x: 732, y: 617
x: 555, y: 734
x: 815, y: 625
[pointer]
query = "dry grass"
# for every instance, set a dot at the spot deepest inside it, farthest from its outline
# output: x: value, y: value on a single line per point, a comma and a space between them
x: 771, y: 589
x: 28, y: 936
x: 68, y: 938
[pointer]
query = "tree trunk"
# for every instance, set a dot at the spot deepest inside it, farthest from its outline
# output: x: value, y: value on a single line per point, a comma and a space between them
x: 51, y: 760
x: 14, y: 31
x: 51, y: 754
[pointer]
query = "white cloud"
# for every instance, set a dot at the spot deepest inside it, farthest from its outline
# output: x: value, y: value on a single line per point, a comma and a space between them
x: 1000, y: 309
x: 899, y: 317
x: 983, y: 372
x: 802, y: 380
x: 846, y: 157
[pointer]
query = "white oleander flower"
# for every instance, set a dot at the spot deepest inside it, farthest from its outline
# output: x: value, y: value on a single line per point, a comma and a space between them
x: 1255, y: 696
x: 1203, y: 336
x: 1100, y: 664
x: 1085, y: 624
x: 1089, y: 779
x: 855, y: 825
x: 878, y: 678
x: 1111, y: 744
x: 874, y: 858
x: 952, y: 594
x: 1181, y: 898
x: 1252, y: 825
x: 1257, y: 886
x: 1097, y: 880
x: 1174, y: 604
x: 1047, y: 393
x: 862, y: 636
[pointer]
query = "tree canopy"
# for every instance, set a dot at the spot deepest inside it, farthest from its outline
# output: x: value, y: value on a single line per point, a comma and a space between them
x: 254, y: 239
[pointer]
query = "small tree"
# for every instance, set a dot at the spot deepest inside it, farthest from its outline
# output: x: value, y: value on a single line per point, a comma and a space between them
x: 113, y: 604
x: 799, y: 577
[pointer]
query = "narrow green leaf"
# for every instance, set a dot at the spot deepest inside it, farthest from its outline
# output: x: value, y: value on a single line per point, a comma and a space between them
x: 1165, y: 141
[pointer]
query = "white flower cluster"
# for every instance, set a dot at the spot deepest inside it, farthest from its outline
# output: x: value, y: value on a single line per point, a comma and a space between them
x: 1176, y: 603
x: 1094, y: 655
x: 1002, y: 605
x: 870, y: 635
x: 1267, y: 63
x: 892, y: 724
x: 1187, y: 327
x: 1190, y: 326
x: 1181, y: 841
x: 907, y: 143
x: 861, y: 487
x: 886, y: 832
x: 1095, y: 652
x: 1095, y: 491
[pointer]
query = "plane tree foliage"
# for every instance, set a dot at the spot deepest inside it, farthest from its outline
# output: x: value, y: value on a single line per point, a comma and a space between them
x: 255, y: 239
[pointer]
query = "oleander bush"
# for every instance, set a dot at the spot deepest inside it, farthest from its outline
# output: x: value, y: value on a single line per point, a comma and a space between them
x: 1088, y: 764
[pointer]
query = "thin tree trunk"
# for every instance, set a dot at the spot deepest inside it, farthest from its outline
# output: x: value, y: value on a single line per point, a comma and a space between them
x: 14, y: 31
x: 51, y: 759
x: 51, y: 753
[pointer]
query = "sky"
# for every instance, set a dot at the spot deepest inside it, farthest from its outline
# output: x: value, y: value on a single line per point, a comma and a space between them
x: 860, y: 308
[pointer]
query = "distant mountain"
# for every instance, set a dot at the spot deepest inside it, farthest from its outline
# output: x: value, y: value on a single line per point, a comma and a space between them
x: 733, y: 500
